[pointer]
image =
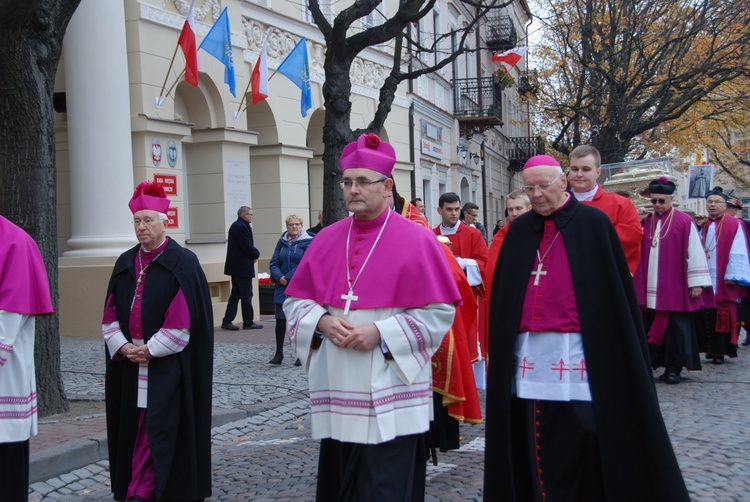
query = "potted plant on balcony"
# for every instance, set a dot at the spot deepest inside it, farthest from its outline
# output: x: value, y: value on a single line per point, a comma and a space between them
x: 503, y: 78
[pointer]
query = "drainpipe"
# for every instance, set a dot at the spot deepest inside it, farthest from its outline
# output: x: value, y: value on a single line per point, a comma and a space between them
x: 412, y: 157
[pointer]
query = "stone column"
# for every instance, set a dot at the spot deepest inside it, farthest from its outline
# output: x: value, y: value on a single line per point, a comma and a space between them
x: 99, y: 140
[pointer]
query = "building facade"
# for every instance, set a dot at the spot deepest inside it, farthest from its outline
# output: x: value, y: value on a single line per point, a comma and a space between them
x: 122, y: 117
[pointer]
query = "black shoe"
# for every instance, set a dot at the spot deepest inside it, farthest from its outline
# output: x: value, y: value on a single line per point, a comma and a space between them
x: 718, y: 360
x: 298, y: 362
x: 673, y: 377
x: 229, y: 326
x: 276, y: 359
x: 252, y: 326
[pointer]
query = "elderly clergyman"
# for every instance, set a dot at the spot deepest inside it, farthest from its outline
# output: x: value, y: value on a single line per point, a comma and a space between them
x: 365, y: 318
x: 158, y: 329
x: 572, y: 411
x: 669, y: 281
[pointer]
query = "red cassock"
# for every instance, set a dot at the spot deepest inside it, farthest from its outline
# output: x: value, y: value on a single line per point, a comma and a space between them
x: 452, y: 373
x: 489, y: 274
x: 468, y: 242
x: 624, y: 216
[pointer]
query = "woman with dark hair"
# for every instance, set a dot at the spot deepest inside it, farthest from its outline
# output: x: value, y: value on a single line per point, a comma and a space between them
x: 286, y: 257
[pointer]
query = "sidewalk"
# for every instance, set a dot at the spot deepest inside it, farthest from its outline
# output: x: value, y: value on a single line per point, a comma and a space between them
x: 68, y: 441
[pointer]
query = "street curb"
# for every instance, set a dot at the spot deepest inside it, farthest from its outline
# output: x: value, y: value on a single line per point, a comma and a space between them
x: 58, y: 460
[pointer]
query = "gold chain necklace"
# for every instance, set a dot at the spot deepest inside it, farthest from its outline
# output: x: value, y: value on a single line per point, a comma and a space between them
x: 655, y: 237
x: 715, y: 240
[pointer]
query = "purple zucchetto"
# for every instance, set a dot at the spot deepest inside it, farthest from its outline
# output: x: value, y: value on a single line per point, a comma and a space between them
x: 660, y: 186
x: 541, y: 160
x: 369, y: 152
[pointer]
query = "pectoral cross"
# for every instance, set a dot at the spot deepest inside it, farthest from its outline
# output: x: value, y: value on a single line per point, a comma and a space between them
x: 536, y: 273
x: 349, y: 297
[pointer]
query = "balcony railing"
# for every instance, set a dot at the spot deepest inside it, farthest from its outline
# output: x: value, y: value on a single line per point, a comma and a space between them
x: 477, y: 104
x: 501, y: 33
x: 522, y: 149
x: 476, y: 97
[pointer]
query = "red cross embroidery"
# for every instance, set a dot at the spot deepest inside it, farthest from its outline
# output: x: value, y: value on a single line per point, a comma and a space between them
x: 581, y: 367
x: 526, y: 365
x: 561, y: 366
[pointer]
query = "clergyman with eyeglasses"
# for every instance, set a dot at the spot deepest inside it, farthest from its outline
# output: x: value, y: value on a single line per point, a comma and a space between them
x: 725, y: 242
x: 572, y: 412
x: 669, y: 281
x: 158, y: 330
x: 365, y: 318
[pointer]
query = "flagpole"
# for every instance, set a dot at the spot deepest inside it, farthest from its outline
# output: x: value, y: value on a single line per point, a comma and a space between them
x: 175, y: 82
x: 240, y: 109
x: 171, y: 62
x: 249, y: 83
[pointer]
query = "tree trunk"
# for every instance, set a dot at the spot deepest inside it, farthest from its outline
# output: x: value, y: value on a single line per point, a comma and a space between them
x: 29, y: 53
x: 336, y: 131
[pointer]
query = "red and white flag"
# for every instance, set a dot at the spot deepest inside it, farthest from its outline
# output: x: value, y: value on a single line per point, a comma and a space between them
x: 188, y: 44
x: 511, y: 57
x: 259, y: 78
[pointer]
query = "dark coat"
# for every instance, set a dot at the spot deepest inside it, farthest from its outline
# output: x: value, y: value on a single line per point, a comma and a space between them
x: 637, y: 460
x: 241, y: 251
x: 179, y: 386
x: 284, y: 261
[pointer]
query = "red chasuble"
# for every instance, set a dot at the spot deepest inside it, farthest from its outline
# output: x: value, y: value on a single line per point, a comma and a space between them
x: 624, y: 217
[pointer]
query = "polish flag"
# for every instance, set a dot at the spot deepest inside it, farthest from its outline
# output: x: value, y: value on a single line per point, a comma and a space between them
x: 188, y: 44
x: 511, y: 57
x: 259, y: 78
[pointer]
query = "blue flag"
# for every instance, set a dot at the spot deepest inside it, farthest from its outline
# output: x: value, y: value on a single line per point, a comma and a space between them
x: 218, y: 43
x: 296, y: 67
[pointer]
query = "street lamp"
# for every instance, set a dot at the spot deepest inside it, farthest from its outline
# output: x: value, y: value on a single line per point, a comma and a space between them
x: 462, y: 151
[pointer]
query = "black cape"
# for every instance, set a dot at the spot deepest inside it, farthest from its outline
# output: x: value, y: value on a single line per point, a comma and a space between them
x: 638, y: 462
x: 179, y: 386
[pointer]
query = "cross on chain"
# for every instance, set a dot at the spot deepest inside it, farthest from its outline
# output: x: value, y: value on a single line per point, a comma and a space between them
x: 349, y: 297
x: 561, y: 367
x: 526, y: 365
x: 537, y: 273
x: 582, y: 368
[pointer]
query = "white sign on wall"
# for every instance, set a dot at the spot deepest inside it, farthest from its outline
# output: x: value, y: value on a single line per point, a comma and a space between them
x: 236, y: 186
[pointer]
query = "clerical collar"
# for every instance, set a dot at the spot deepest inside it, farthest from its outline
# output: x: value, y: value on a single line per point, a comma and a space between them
x: 664, y: 214
x: 449, y: 230
x: 586, y: 195
x: 370, y: 224
x: 158, y: 249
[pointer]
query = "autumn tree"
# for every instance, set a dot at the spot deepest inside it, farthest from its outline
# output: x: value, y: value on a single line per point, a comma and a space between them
x: 29, y: 53
x: 343, y: 44
x: 719, y: 125
x: 613, y: 71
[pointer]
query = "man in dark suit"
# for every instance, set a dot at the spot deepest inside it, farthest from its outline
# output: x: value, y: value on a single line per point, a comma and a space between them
x: 240, y: 265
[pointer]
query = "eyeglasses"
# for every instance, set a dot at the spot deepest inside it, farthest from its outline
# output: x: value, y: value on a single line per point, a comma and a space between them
x: 542, y: 186
x: 658, y: 201
x: 361, y: 183
x: 147, y: 221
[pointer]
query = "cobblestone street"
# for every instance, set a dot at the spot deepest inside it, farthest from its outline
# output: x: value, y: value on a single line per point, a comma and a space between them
x: 269, y: 455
